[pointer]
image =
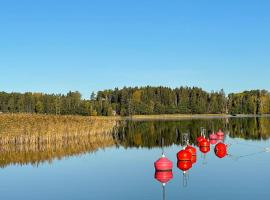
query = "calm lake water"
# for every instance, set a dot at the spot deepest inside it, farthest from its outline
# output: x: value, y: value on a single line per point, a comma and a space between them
x: 124, y: 169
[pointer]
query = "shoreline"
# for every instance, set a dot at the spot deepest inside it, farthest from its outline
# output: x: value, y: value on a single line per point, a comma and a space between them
x: 189, y: 116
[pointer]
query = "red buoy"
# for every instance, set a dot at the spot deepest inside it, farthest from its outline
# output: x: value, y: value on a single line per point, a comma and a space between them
x: 193, y: 159
x: 220, y: 137
x: 163, y: 176
x: 221, y: 150
x: 191, y: 149
x: 220, y: 133
x: 200, y: 139
x: 204, y: 143
x: 184, y: 155
x: 184, y: 165
x: 193, y: 152
x: 204, y: 146
x: 204, y: 149
x: 213, y: 136
x: 163, y: 164
x: 213, y: 141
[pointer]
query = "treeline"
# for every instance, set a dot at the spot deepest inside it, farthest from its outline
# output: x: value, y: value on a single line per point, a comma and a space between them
x: 144, y: 100
x: 249, y: 102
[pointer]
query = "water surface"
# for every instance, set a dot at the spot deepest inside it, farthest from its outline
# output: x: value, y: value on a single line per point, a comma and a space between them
x: 123, y: 166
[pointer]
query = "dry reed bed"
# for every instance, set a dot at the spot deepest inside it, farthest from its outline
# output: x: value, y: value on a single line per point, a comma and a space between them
x: 37, y: 138
x: 40, y: 129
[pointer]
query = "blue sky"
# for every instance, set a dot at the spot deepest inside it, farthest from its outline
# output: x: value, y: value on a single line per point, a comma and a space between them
x: 89, y: 45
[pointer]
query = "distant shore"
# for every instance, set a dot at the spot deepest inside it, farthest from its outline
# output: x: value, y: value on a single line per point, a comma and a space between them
x: 189, y: 116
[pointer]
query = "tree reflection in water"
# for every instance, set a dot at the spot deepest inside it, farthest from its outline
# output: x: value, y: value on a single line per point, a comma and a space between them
x: 146, y: 134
